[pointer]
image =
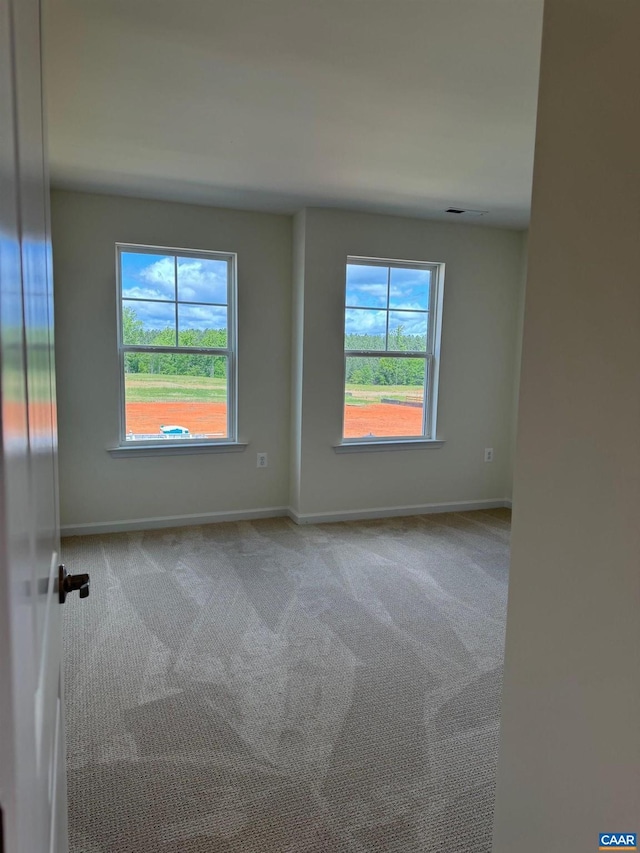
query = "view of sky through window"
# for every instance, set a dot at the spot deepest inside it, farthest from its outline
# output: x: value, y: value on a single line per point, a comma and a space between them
x: 387, y: 312
x: 175, y: 331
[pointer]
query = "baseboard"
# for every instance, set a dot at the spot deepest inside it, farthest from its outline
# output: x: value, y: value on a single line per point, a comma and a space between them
x: 171, y: 521
x: 93, y: 528
x: 395, y: 511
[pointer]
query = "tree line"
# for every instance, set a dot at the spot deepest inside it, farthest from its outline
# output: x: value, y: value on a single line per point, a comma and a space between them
x: 368, y: 370
x: 172, y: 364
x: 360, y: 370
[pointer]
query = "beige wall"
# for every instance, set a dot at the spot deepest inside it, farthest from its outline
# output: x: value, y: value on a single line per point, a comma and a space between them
x: 291, y: 298
x: 570, y: 753
x: 94, y: 487
x: 482, y: 291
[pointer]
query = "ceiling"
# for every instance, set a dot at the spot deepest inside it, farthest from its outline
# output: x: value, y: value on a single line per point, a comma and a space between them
x: 392, y: 106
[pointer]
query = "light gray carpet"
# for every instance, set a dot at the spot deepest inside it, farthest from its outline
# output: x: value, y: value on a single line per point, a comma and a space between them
x: 259, y: 687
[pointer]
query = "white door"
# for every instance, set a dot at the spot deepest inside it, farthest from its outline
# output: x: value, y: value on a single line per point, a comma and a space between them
x: 32, y: 755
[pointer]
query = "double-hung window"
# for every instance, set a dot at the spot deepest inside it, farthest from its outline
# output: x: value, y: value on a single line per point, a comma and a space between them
x: 393, y: 313
x: 177, y: 345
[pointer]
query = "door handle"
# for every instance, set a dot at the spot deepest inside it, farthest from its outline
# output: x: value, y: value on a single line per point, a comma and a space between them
x: 68, y: 583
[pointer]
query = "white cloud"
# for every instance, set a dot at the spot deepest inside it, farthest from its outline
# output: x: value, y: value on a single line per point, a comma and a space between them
x: 161, y: 272
x: 199, y: 280
x: 154, y: 315
x: 201, y: 317
x: 360, y: 322
x: 202, y: 280
x: 156, y: 281
x: 367, y: 295
x: 407, y: 306
x: 375, y: 289
x: 412, y: 324
x: 143, y: 293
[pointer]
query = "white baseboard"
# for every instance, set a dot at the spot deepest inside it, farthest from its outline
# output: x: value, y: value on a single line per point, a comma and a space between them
x: 171, y: 521
x: 395, y: 511
x: 134, y: 524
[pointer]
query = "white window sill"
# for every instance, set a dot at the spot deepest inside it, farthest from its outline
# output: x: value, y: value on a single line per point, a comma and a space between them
x: 128, y: 451
x: 392, y: 444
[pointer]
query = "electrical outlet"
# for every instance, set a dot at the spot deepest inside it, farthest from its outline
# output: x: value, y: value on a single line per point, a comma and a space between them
x: 488, y: 454
x: 262, y: 460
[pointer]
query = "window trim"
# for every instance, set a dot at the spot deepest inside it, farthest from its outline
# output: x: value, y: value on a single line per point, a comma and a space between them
x: 431, y: 356
x: 231, y: 351
x: 356, y: 445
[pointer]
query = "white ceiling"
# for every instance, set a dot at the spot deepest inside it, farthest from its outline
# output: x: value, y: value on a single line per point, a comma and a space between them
x: 398, y: 106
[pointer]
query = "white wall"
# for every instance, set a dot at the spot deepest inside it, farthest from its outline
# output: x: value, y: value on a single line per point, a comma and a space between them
x: 570, y: 753
x: 290, y: 363
x: 482, y: 292
x: 517, y: 358
x: 94, y: 487
x: 297, y: 338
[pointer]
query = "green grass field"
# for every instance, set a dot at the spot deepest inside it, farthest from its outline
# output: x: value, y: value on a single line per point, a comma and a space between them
x: 159, y: 388
x: 363, y: 395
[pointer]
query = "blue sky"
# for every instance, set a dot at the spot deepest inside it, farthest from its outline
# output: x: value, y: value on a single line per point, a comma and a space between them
x: 365, y: 321
x: 367, y: 289
x: 162, y: 315
x: 149, y: 276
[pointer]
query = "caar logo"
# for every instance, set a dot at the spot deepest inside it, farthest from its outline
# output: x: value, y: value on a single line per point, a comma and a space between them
x: 617, y: 841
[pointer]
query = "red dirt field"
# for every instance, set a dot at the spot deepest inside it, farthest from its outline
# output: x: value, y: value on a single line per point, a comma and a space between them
x: 147, y: 418
x: 377, y: 418
x: 382, y: 419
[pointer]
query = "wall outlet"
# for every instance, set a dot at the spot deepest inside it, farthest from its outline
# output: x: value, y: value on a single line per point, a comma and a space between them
x: 488, y: 454
x: 262, y: 460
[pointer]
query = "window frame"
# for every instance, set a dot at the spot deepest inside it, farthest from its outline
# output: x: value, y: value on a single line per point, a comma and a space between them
x: 230, y: 352
x: 431, y: 354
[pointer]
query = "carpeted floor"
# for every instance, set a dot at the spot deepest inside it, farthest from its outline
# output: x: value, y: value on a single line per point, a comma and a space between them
x: 262, y: 687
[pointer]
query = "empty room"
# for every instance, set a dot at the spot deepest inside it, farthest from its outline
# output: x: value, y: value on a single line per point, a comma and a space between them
x: 324, y: 304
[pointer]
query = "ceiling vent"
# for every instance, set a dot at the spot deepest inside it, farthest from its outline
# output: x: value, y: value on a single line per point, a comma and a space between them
x: 460, y: 211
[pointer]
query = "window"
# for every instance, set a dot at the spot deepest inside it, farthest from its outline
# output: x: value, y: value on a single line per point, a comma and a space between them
x: 177, y: 345
x: 392, y: 333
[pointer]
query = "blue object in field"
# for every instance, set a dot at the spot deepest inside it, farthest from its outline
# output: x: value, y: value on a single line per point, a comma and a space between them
x: 173, y: 429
